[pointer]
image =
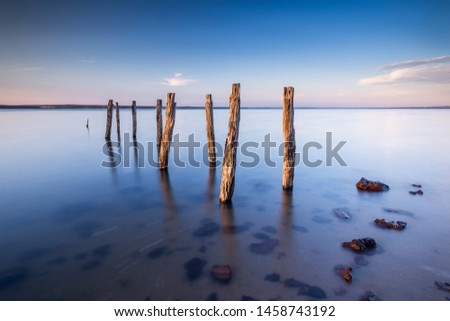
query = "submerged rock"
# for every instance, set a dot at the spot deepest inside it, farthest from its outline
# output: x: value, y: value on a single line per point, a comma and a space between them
x: 248, y: 298
x: 305, y: 289
x: 371, y: 186
x: 397, y: 211
x: 292, y: 283
x: 419, y: 192
x: 221, y: 273
x: 12, y: 276
x: 212, y: 297
x: 157, y: 252
x: 208, y: 228
x: 443, y: 285
x: 370, y: 296
x: 399, y: 225
x: 194, y: 267
x: 342, y: 213
x: 265, y: 247
x: 274, y: 277
x: 261, y: 236
x: 360, y: 245
x: 416, y: 185
x: 345, y: 272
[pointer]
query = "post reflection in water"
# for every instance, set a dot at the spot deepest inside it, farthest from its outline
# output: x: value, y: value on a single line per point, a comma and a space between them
x: 169, y: 200
x: 113, y: 163
x: 228, y: 232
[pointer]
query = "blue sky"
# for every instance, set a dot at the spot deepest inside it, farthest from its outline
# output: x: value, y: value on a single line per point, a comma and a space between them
x: 335, y: 53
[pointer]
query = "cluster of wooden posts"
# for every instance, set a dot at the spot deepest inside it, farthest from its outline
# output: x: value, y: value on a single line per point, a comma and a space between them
x: 229, y: 160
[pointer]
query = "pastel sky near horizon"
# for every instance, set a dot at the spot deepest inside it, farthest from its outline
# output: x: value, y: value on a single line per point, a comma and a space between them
x: 335, y: 53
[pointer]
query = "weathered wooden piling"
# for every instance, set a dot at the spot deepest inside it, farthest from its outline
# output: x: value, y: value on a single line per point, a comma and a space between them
x: 109, y: 110
x: 159, y: 123
x: 289, y: 138
x: 210, y: 130
x: 133, y: 112
x: 229, y: 159
x: 118, y: 119
x: 168, y: 130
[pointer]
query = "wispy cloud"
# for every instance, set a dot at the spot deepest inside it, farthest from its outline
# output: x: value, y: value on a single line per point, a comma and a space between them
x: 177, y: 81
x: 417, y: 62
x: 432, y: 70
x: 86, y: 61
x: 27, y: 69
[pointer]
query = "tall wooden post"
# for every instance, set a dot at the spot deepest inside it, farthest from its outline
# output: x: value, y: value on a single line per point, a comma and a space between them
x: 159, y: 124
x: 229, y: 159
x: 118, y: 119
x: 168, y: 130
x: 133, y: 112
x: 289, y: 138
x: 210, y: 130
x: 109, y: 110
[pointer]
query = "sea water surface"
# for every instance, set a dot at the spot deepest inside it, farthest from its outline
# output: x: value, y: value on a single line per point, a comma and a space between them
x: 71, y: 229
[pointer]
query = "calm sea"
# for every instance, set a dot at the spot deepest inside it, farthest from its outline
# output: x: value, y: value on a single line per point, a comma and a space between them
x: 71, y: 229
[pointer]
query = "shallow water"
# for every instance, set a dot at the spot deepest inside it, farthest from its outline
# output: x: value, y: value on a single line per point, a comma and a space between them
x: 71, y: 229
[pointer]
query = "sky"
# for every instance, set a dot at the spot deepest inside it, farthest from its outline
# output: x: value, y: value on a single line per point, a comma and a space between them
x: 334, y: 53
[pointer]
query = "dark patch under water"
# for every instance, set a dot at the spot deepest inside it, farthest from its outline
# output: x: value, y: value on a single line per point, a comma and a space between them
x: 208, y: 228
x: 235, y: 229
x: 12, y: 277
x: 397, y: 211
x: 194, y: 267
x: 248, y: 298
x: 305, y: 289
x: 261, y: 236
x: 274, y: 277
x: 158, y: 252
x: 34, y: 254
x: 102, y: 251
x: 58, y: 261
x: 80, y: 256
x: 299, y: 228
x: 90, y: 265
x: 265, y: 247
x: 212, y: 297
x: 202, y: 249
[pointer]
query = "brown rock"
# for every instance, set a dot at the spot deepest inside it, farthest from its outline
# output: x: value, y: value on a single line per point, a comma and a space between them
x: 221, y: 273
x: 371, y: 186
x: 399, y: 225
x: 345, y: 272
x: 360, y: 245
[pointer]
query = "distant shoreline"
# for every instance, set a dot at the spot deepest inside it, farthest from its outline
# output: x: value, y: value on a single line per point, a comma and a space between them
x: 52, y: 107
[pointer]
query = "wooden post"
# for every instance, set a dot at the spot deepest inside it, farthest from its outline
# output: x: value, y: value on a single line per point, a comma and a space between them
x: 229, y: 159
x: 118, y: 119
x: 168, y: 130
x: 159, y: 123
x: 109, y: 119
x: 289, y: 138
x: 210, y: 130
x: 133, y: 112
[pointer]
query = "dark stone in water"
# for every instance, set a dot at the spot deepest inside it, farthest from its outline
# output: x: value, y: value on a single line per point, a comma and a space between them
x: 371, y: 186
x: 90, y: 265
x: 157, y: 252
x: 270, y: 229
x: 194, y: 267
x: 370, y: 296
x: 34, y: 254
x: 443, y: 285
x: 361, y: 260
x: 360, y: 245
x: 312, y: 291
x: 57, y: 261
x: 212, y: 297
x: 416, y: 185
x: 419, y: 192
x: 292, y: 283
x: 248, y: 298
x: 274, y: 277
x: 299, y: 228
x: 397, y: 211
x: 80, y: 256
x: 208, y: 228
x: 12, y: 276
x: 399, y: 225
x: 321, y: 219
x: 261, y: 236
x: 221, y: 273
x: 202, y: 249
x: 102, y: 251
x: 345, y: 272
x: 235, y: 229
x: 342, y: 213
x: 265, y: 247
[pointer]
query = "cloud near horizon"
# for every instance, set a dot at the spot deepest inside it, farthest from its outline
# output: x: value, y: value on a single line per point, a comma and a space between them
x: 27, y: 69
x: 178, y: 81
x: 433, y: 70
